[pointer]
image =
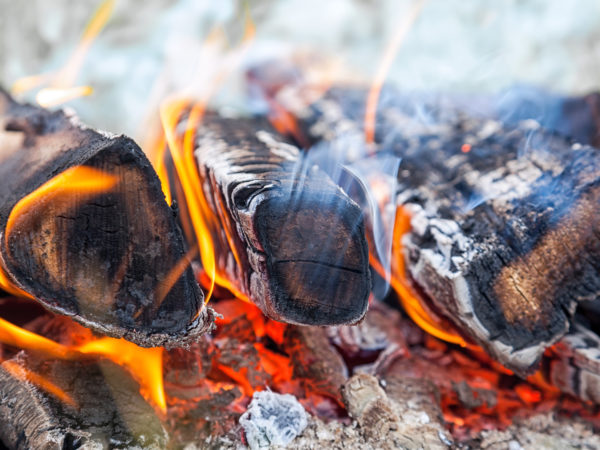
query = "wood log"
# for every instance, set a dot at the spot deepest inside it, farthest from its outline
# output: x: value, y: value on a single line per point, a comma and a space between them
x: 505, y: 218
x: 107, y: 258
x: 291, y: 240
x: 103, y: 407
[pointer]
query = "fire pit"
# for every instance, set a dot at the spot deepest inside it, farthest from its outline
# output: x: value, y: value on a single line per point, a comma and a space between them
x: 337, y: 262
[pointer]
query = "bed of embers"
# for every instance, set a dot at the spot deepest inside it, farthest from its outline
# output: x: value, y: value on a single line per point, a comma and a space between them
x: 403, y: 387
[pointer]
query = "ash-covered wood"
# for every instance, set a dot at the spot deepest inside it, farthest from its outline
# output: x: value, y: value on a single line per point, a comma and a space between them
x: 104, y: 408
x: 505, y: 218
x: 296, y: 244
x: 104, y: 258
x: 574, y: 364
x: 387, y: 421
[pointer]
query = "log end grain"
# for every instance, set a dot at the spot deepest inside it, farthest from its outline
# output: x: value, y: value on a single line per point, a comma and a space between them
x: 318, y: 265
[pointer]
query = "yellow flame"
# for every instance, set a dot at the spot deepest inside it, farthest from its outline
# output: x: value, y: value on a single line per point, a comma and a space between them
x: 205, y: 223
x: 24, y: 374
x: 49, y: 97
x: 61, y: 82
x: 66, y: 76
x: 29, y: 83
x: 384, y: 67
x: 174, y: 274
x: 15, y: 336
x: 8, y: 286
x: 145, y: 364
x: 77, y: 181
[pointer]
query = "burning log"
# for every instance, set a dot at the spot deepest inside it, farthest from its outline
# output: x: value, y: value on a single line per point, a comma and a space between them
x: 294, y: 241
x: 73, y: 405
x: 504, y: 236
x: 86, y: 231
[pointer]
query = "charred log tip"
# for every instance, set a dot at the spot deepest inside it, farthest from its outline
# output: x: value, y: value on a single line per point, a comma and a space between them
x: 104, y: 257
x: 204, y: 323
x: 324, y: 281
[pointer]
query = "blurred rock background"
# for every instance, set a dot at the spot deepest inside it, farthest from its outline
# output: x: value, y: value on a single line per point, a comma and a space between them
x: 150, y: 49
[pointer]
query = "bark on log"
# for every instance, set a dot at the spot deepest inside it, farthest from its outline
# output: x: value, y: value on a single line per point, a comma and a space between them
x: 296, y: 242
x: 505, y: 235
x: 106, y: 410
x: 103, y: 259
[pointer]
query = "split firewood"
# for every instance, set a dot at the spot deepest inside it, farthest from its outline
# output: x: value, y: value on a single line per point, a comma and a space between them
x: 86, y: 231
x: 290, y: 239
x: 504, y: 237
x: 73, y: 404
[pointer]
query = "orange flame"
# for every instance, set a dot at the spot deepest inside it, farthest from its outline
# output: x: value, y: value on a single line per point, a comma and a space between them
x: 410, y: 299
x: 205, y: 223
x: 49, y: 97
x: 24, y: 374
x: 145, y: 364
x: 77, y: 181
x: 181, y: 150
x: 174, y: 274
x: 61, y: 88
x: 384, y: 67
x: 8, y: 286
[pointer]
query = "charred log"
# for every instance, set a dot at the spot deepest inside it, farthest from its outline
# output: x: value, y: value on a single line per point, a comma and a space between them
x: 505, y: 217
x: 292, y: 240
x: 105, y: 257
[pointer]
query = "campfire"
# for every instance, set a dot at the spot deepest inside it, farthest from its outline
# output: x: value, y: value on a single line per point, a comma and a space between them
x: 348, y: 265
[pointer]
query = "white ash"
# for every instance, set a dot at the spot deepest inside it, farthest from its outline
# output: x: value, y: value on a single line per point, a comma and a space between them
x: 273, y: 420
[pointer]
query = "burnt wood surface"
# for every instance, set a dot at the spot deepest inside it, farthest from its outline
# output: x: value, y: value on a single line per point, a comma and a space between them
x: 103, y: 410
x: 505, y: 218
x: 296, y: 242
x: 101, y: 259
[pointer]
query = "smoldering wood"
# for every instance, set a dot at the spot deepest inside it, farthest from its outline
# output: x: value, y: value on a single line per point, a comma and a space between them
x: 107, y: 410
x: 101, y: 259
x: 297, y: 247
x: 504, y: 236
x: 315, y: 361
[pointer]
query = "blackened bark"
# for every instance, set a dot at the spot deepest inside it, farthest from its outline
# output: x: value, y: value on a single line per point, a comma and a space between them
x: 296, y: 242
x: 103, y: 258
x: 505, y: 235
